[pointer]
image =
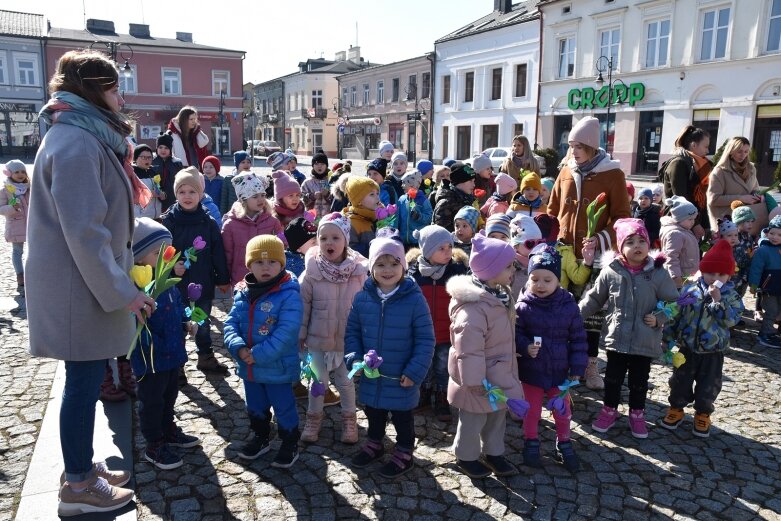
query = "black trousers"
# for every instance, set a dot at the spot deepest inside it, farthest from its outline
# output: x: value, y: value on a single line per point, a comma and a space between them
x: 592, y: 338
x: 203, y: 337
x: 402, y: 421
x: 157, y: 394
x: 704, y: 370
x: 618, y: 364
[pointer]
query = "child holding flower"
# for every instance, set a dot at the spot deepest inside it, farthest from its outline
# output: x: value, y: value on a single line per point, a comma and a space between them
x: 414, y: 210
x: 14, y: 199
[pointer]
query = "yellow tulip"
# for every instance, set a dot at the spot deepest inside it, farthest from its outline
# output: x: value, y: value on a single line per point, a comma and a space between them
x: 11, y: 189
x: 156, y: 179
x: 678, y: 359
x: 141, y: 275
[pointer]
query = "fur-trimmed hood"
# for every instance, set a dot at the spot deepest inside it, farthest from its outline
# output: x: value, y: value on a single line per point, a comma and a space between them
x: 339, y: 188
x: 458, y: 256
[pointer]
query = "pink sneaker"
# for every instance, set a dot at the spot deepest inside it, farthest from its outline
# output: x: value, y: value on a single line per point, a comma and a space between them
x: 606, y: 419
x: 637, y: 423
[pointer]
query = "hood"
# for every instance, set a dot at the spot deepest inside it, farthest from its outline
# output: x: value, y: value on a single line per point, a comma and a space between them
x: 553, y: 302
x: 173, y: 126
x: 462, y: 291
x: 668, y: 222
x: 339, y: 187
x: 198, y: 215
x: 457, y: 256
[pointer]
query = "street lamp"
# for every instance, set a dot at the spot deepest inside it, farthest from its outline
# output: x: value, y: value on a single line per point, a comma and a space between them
x: 341, y: 121
x: 421, y: 105
x: 605, y: 64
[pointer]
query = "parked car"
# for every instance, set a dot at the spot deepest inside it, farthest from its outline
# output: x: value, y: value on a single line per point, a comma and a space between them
x: 266, y: 148
x: 497, y: 155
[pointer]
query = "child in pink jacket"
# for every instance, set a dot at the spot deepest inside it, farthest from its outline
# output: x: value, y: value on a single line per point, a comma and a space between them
x: 14, y: 198
x: 499, y: 202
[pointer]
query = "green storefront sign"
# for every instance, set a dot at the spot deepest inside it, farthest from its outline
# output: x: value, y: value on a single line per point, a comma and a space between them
x: 589, y: 98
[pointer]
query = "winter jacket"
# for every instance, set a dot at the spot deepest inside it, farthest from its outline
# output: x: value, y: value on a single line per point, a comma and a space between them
x: 495, y: 204
x: 15, y: 220
x: 766, y: 264
x: 629, y: 298
x: 437, y: 297
x: 519, y: 207
x: 227, y: 193
x: 317, y: 195
x: 564, y: 352
x: 571, y: 195
x: 401, y: 332
x: 284, y: 215
x: 192, y: 153
x: 166, y: 350
x: 208, y: 203
x: 327, y: 304
x: 362, y: 228
x: 269, y: 328
x: 237, y: 230
x: 391, y: 190
x: 726, y: 185
x: 167, y: 170
x: 573, y: 271
x: 409, y: 219
x: 704, y: 327
x: 211, y: 268
x: 294, y: 263
x: 484, y: 187
x: 651, y: 219
x: 463, y: 246
x: 214, y: 187
x: 681, y: 249
x: 154, y: 209
x: 300, y: 177
x: 742, y: 252
x: 449, y: 201
x: 482, y: 335
x: 681, y: 178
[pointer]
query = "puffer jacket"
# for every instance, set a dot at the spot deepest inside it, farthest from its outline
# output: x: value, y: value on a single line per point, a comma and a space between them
x: 573, y: 271
x: 449, y: 201
x: 401, y: 332
x: 269, y: 328
x: 681, y: 249
x: 15, y: 220
x: 238, y: 229
x: 629, y: 298
x: 362, y: 228
x: 391, y: 190
x: 766, y: 264
x: 317, y: 195
x: 437, y: 297
x: 564, y: 352
x: 483, y: 347
x: 166, y: 350
x: 519, y: 206
x: 407, y: 221
x: 327, y: 304
x: 495, y: 204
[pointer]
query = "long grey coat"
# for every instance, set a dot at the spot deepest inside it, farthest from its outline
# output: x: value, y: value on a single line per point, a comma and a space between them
x: 80, y: 228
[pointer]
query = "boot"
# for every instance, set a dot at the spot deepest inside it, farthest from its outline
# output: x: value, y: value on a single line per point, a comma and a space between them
x: 593, y: 380
x: 442, y: 407
x: 400, y: 463
x: 20, y: 280
x: 312, y: 427
x: 300, y: 391
x: 288, y: 451
x: 349, y: 428
x: 258, y: 443
x: 108, y: 391
x: 208, y: 363
x: 127, y: 380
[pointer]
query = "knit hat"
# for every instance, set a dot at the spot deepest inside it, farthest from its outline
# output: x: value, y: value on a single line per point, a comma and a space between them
x: 461, y: 173
x: 548, y: 182
x: 359, y: 187
x: 320, y: 158
x: 726, y: 226
x: 399, y: 156
x: 411, y: 179
x: 645, y: 192
x: 431, y: 237
x: 630, y: 189
x: 481, y: 162
x: 659, y: 189
x: 166, y: 140
x: 386, y: 246
x: 468, y: 214
x: 718, y: 259
x: 148, y: 235
x: 531, y: 181
x: 248, y: 184
x: 489, y: 257
x: 189, y: 176
x: 284, y: 185
x: 628, y: 226
x: 265, y: 247
x: 498, y: 222
x: 214, y: 161
x: 337, y: 166
x: 425, y: 166
x: 338, y: 220
x: 448, y: 162
x: 545, y: 257
x: 298, y: 232
x: 385, y: 146
x: 680, y: 208
x: 505, y: 184
x: 238, y: 157
x: 742, y: 214
x: 775, y: 222
x: 524, y: 229
x: 136, y: 152
x: 380, y: 165
x: 549, y: 227
x: 277, y: 160
x: 586, y: 132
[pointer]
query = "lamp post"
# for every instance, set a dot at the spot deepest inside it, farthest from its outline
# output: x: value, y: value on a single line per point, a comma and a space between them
x: 340, y: 124
x: 418, y: 113
x: 605, y: 64
x: 221, y: 119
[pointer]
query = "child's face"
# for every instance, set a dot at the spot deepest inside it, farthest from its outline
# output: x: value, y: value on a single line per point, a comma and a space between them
x: 375, y: 176
x: 731, y: 237
x: 688, y: 223
x: 442, y: 255
x: 256, y: 203
x: 517, y: 148
x: 291, y: 201
x: 644, y: 202
x: 542, y: 283
x: 545, y: 194
x: 245, y: 165
x: 311, y: 243
x: 505, y: 277
x: 292, y: 165
x: 774, y: 236
x: 531, y: 194
x: 710, y: 278
x: 387, y: 272
x: 464, y: 232
x: 443, y: 174
x: 499, y: 235
x: 467, y: 186
x: 318, y: 168
x: 19, y: 176
x: 399, y: 167
x: 150, y: 259
x: 746, y: 226
x: 265, y: 269
x: 387, y: 155
x: 163, y: 151
x: 485, y: 173
x: 371, y: 201
x: 657, y: 198
x: 208, y: 170
x: 332, y: 243
x: 187, y: 197
x: 635, y: 250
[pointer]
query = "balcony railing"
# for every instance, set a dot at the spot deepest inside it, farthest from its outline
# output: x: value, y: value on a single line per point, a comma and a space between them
x: 314, y: 113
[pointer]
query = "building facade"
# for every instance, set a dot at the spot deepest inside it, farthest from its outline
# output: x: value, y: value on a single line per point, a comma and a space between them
x: 270, y: 106
x: 715, y: 64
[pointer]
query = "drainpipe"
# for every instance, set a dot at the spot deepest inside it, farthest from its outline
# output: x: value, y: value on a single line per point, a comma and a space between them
x: 539, y: 91
x: 432, y: 57
x: 283, y: 108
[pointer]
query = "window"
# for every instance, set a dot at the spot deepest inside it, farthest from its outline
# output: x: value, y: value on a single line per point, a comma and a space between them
x: 609, y: 42
x: 172, y: 81
x: 444, y: 137
x: 520, y: 80
x: 490, y: 136
x: 774, y: 28
x: 413, y: 83
x: 657, y: 42
x: 463, y: 141
x: 220, y: 82
x: 566, y: 57
x: 3, y: 68
x: 317, y: 99
x: 365, y: 93
x: 469, y: 87
x: 708, y: 120
x: 425, y: 89
x: 496, y: 84
x: 127, y: 85
x: 446, y: 88
x: 344, y: 97
x: 26, y: 69
x: 518, y: 129
x: 353, y: 96
x: 715, y: 25
x: 380, y: 92
x: 395, y: 90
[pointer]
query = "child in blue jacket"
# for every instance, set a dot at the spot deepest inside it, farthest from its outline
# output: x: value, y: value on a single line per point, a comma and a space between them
x: 414, y: 212
x: 390, y: 316
x: 765, y: 274
x: 261, y: 333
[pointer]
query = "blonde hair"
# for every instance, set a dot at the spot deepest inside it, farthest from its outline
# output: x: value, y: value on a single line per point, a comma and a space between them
x: 528, y: 161
x: 735, y: 144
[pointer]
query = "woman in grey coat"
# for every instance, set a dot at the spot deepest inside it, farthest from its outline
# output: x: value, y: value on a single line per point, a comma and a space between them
x: 80, y: 298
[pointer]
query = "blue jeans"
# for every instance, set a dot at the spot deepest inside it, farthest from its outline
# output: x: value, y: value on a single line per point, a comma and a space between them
x: 203, y: 337
x: 17, y: 250
x: 437, y: 375
x: 261, y: 397
x: 77, y: 416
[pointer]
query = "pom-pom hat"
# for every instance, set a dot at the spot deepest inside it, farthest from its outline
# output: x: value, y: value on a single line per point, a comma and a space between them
x: 489, y: 257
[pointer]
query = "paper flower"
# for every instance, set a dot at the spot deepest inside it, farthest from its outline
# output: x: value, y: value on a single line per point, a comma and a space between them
x: 370, y: 365
x: 317, y: 389
x: 672, y: 309
x: 479, y: 192
x: 156, y: 182
x: 189, y: 253
x: 495, y: 395
x: 678, y: 359
x: 593, y: 212
x: 194, y: 291
x: 558, y: 404
x: 673, y: 355
x: 518, y: 407
x: 386, y: 216
x: 141, y: 275
x: 412, y: 193
x: 199, y: 243
x: 11, y: 190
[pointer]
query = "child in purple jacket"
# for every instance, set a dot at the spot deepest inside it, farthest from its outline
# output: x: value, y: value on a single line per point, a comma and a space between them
x: 551, y: 345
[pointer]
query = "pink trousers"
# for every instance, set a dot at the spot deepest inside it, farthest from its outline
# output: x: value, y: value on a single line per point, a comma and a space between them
x: 535, y: 395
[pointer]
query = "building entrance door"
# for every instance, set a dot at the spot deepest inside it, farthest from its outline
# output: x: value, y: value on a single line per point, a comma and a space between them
x: 222, y: 140
x: 649, y: 139
x: 767, y: 143
x: 317, y: 141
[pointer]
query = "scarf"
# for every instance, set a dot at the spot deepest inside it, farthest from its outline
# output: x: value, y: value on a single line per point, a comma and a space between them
x: 499, y: 291
x: 108, y: 127
x: 336, y: 273
x: 518, y: 161
x: 702, y: 166
x: 21, y: 188
x: 741, y: 169
x: 585, y: 169
x: 287, y: 212
x: 531, y: 204
x: 258, y: 289
x: 433, y: 271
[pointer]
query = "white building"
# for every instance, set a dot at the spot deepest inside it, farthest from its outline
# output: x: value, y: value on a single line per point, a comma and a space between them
x: 486, y: 81
x: 715, y: 64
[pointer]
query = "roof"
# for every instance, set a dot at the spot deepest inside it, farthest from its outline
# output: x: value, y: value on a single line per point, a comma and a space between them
x: 378, y: 65
x: 58, y: 33
x: 523, y: 11
x: 21, y: 24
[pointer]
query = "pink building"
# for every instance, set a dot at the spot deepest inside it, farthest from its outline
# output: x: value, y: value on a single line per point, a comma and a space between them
x: 161, y: 75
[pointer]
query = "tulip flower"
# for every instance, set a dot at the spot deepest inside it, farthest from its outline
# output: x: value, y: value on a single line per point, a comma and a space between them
x: 558, y: 405
x: 372, y: 359
x: 370, y: 365
x: 156, y: 179
x: 11, y: 190
x: 168, y: 253
x: 317, y: 389
x: 593, y: 212
x: 495, y: 395
x: 479, y: 192
x: 518, y: 407
x: 412, y: 193
x: 678, y: 359
x: 199, y: 243
x: 194, y: 291
x: 141, y: 275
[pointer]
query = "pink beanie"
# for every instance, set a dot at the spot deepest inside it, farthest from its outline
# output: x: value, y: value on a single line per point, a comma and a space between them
x: 586, y: 132
x: 628, y: 226
x: 489, y: 257
x: 284, y: 185
x: 385, y: 246
x: 505, y: 184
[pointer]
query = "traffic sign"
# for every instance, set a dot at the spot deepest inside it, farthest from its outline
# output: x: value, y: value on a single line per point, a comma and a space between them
x: 340, y: 128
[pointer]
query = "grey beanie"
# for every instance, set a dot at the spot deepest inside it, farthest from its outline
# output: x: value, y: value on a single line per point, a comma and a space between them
x: 431, y: 237
x: 148, y: 235
x: 680, y: 208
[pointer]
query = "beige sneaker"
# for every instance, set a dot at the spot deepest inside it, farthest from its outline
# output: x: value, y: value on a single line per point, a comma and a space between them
x: 115, y: 478
x: 99, y: 496
x: 312, y: 425
x: 349, y: 428
x: 593, y: 380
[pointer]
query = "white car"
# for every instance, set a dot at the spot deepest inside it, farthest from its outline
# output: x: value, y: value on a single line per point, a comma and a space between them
x: 497, y: 155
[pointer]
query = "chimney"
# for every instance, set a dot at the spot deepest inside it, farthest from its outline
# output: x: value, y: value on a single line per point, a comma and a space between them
x: 184, y: 37
x: 354, y: 54
x: 139, y: 30
x: 100, y: 26
x: 503, y: 6
x: 340, y: 56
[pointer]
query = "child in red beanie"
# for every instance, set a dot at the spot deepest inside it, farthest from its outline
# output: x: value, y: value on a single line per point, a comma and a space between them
x: 211, y: 173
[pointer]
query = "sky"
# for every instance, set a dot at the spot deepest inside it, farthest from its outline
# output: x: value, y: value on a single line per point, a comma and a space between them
x: 277, y: 35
